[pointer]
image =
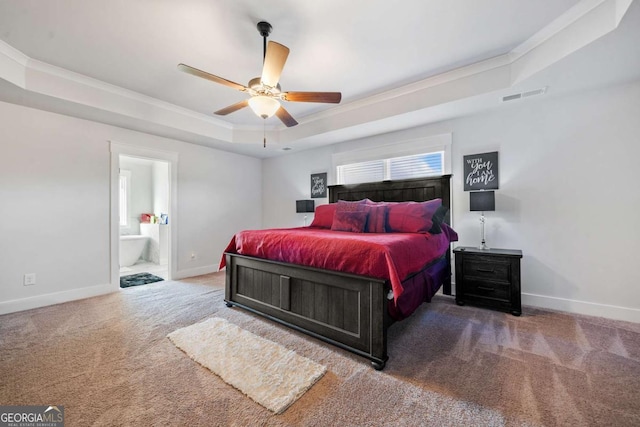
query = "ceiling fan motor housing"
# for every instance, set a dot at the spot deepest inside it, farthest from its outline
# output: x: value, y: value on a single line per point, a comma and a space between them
x: 261, y: 89
x: 264, y: 28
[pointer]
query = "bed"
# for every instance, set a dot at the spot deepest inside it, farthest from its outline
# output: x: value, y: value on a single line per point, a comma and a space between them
x: 351, y: 311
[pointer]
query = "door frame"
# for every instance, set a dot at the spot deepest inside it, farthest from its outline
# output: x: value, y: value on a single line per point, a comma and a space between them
x: 117, y: 149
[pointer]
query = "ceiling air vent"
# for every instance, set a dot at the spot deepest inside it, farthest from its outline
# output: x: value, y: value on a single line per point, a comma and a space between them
x: 527, y: 94
x: 511, y: 97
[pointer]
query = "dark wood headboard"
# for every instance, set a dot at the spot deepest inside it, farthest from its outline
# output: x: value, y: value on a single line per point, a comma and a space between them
x: 405, y: 190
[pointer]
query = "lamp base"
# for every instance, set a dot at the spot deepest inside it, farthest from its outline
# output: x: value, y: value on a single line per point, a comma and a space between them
x: 483, y: 246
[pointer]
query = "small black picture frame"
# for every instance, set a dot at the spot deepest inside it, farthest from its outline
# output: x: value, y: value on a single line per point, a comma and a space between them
x: 481, y: 171
x: 318, y: 185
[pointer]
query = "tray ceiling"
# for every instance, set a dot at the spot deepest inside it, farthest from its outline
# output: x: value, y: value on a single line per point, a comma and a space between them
x: 397, y: 67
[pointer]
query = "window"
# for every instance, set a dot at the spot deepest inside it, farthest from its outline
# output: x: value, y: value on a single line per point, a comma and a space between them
x: 427, y: 164
x: 415, y: 166
x: 125, y: 197
x: 361, y: 172
x: 380, y: 161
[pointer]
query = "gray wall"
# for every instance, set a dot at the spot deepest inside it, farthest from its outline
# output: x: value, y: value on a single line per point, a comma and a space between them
x: 55, y: 204
x: 568, y: 193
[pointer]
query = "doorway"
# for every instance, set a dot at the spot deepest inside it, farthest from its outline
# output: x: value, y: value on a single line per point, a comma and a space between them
x: 143, y: 213
x: 143, y: 206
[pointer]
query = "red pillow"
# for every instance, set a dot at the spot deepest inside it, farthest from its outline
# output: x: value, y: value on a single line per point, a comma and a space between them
x: 376, y: 222
x: 323, y: 217
x: 349, y: 221
x: 345, y: 206
x: 412, y: 217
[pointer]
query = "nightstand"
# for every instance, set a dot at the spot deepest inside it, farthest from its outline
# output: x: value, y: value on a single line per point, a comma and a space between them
x: 488, y: 277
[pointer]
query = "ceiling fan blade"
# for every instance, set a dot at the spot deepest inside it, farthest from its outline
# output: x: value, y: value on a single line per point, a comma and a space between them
x: 328, y: 97
x: 199, y: 73
x: 286, y: 117
x: 274, y: 63
x: 231, y: 108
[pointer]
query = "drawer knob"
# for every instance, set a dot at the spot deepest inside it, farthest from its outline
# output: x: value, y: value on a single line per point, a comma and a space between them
x: 484, y: 288
x: 485, y: 270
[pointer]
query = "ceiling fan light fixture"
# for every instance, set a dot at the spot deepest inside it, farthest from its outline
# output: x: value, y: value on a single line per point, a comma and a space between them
x: 264, y: 106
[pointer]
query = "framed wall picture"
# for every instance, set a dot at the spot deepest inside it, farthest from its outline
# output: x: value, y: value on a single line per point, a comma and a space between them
x: 481, y: 171
x: 318, y: 185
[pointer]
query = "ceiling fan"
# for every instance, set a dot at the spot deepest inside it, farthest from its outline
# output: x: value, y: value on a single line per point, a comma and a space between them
x: 265, y: 90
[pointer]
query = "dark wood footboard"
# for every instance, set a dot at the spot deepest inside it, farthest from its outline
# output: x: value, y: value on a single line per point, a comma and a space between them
x: 345, y: 310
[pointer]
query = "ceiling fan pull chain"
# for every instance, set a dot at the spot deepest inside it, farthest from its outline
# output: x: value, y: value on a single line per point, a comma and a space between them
x: 264, y: 133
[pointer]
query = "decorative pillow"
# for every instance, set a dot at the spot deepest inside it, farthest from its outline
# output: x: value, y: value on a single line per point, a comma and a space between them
x: 412, y: 217
x: 345, y: 206
x: 438, y: 219
x: 376, y: 222
x: 323, y: 217
x: 349, y: 221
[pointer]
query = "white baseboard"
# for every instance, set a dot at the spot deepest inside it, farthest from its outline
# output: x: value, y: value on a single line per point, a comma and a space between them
x: 541, y: 301
x: 582, y: 307
x: 44, y: 300
x: 577, y: 307
x: 191, y: 272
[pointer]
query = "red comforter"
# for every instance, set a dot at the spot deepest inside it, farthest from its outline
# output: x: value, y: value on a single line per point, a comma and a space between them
x: 390, y: 256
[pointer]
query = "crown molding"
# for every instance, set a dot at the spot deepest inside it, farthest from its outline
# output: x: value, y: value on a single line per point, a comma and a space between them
x: 12, y: 53
x: 12, y: 64
x: 579, y: 26
x: 538, y: 40
x: 556, y: 26
x: 100, y: 85
x: 411, y: 88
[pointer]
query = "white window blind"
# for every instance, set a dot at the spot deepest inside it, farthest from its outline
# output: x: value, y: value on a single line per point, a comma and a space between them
x: 361, y: 172
x: 405, y: 167
x: 411, y: 158
x: 417, y: 166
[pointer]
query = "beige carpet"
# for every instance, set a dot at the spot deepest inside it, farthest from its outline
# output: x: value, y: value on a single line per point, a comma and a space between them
x: 267, y: 372
x: 108, y: 361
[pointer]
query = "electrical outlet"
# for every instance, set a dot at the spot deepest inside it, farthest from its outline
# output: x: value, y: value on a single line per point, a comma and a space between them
x: 29, y: 279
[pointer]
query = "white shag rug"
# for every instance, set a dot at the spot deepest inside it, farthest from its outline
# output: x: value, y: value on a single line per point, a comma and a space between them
x: 267, y: 372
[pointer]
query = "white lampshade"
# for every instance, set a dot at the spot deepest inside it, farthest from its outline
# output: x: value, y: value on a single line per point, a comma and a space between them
x: 264, y: 106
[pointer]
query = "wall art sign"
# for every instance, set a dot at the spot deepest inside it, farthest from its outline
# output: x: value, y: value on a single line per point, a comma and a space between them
x: 481, y: 171
x: 318, y: 185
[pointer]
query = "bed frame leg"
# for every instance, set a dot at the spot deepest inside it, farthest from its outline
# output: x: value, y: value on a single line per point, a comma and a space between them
x: 378, y: 366
x: 446, y: 285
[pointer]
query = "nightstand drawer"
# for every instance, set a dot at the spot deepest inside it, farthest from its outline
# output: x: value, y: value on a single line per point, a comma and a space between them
x: 486, y: 268
x: 486, y: 289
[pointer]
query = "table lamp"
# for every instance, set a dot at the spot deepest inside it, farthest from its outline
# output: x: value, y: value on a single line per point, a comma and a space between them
x: 483, y: 201
x: 305, y: 206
